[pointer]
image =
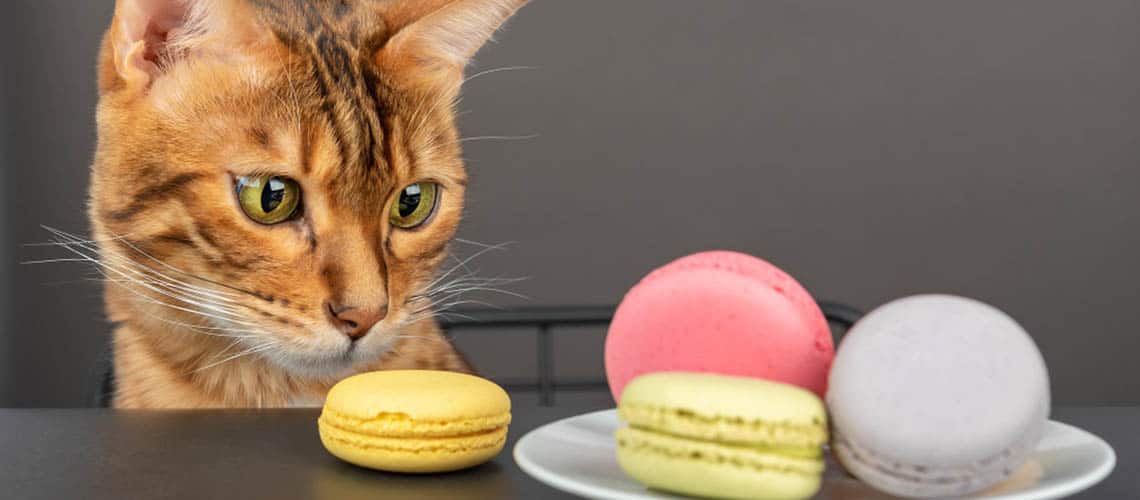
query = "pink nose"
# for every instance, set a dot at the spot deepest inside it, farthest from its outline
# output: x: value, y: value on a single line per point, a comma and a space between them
x: 355, y: 321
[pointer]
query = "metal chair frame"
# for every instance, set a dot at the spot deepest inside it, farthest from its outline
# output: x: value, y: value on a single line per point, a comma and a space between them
x: 544, y: 320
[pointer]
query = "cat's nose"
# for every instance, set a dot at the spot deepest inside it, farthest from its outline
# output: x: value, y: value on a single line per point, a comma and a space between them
x: 355, y: 321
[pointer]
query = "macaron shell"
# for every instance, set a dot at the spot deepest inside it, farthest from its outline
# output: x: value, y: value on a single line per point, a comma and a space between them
x: 415, y: 421
x: 716, y: 479
x: 726, y: 409
x: 937, y: 395
x: 418, y: 395
x: 722, y: 436
x: 924, y: 481
x: 720, y: 312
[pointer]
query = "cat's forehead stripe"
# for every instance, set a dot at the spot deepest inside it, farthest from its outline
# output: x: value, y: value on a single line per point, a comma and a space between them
x: 260, y: 136
x: 330, y: 35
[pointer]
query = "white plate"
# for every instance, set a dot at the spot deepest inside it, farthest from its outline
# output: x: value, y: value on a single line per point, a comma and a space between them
x: 577, y: 455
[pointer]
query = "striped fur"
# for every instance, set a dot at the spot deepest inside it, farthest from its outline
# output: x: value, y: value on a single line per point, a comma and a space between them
x: 353, y: 99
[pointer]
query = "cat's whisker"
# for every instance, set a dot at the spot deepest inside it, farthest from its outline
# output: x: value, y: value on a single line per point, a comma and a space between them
x: 483, y: 245
x: 220, y: 332
x: 217, y: 331
x: 125, y: 270
x: 465, y: 266
x: 463, y: 263
x: 404, y: 338
x: 496, y: 70
x: 70, y: 237
x: 71, y: 240
x: 449, y: 290
x: 130, y: 285
x: 436, y: 302
x: 228, y: 348
x: 475, y: 243
x: 453, y: 314
x: 173, y: 287
x: 130, y: 280
x: 471, y: 274
x: 187, y: 274
x: 473, y: 281
x: 444, y: 292
x: 135, y: 274
x: 253, y: 350
x: 52, y: 261
x: 448, y: 305
x: 150, y: 300
x: 498, y: 138
x: 123, y: 240
x: 140, y: 272
x: 459, y: 285
x: 209, y: 309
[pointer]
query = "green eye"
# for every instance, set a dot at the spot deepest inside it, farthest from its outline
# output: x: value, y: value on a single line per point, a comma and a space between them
x: 268, y: 200
x: 415, y: 205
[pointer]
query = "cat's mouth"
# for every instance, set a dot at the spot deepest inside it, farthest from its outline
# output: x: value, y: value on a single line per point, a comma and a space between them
x: 333, y: 355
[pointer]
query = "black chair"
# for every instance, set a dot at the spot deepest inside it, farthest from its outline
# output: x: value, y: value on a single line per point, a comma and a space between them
x: 544, y: 321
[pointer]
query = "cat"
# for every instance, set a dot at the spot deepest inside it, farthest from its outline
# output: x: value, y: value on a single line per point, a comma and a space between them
x: 274, y: 190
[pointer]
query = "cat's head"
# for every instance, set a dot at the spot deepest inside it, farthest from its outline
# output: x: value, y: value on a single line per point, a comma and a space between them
x: 286, y: 173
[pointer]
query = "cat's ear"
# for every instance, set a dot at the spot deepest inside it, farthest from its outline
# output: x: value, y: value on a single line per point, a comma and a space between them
x: 435, y: 39
x: 146, y: 35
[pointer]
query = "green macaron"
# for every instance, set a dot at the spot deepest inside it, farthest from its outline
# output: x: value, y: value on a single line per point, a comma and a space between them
x: 722, y: 437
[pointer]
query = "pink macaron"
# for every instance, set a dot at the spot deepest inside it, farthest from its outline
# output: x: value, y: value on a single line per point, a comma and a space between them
x: 720, y: 312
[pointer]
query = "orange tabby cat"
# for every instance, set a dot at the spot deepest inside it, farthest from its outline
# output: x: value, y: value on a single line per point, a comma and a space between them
x: 275, y: 187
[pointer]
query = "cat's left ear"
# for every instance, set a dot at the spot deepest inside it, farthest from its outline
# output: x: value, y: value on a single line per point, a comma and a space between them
x: 145, y: 35
x: 435, y: 39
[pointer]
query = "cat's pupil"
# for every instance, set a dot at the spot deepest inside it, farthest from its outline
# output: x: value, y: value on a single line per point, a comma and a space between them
x: 410, y: 200
x: 272, y: 195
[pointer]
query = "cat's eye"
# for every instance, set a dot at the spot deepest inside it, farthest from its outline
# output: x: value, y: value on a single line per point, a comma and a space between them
x: 268, y: 200
x: 415, y: 205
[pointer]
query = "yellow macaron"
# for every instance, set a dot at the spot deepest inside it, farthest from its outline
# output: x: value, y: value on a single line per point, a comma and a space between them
x: 722, y: 437
x: 415, y: 420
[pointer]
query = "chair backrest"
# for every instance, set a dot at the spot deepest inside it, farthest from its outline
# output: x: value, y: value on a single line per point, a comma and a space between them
x: 544, y: 321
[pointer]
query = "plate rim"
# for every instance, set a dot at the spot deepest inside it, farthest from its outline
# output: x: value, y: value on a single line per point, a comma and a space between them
x: 556, y: 481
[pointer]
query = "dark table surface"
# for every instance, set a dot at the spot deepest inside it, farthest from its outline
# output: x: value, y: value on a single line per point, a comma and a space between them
x: 94, y: 454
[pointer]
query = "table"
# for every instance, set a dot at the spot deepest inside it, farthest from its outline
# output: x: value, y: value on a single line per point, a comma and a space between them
x: 94, y: 454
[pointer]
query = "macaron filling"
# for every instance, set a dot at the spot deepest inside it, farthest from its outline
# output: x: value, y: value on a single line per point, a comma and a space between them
x: 494, y: 438
x: 400, y: 432
x: 734, y: 430
x: 395, y: 424
x: 760, y: 458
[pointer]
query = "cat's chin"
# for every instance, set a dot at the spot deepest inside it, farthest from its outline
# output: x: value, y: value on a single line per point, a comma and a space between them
x: 329, y: 364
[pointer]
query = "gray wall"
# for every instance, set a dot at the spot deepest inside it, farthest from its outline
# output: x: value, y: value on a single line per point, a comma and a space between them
x: 874, y: 149
x: 5, y: 279
x: 57, y: 327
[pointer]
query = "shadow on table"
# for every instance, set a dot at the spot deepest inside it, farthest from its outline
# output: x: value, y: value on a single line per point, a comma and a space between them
x: 341, y: 480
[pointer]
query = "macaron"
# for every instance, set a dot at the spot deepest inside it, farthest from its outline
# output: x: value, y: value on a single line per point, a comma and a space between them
x: 720, y: 312
x: 936, y: 396
x: 722, y: 437
x: 415, y: 421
